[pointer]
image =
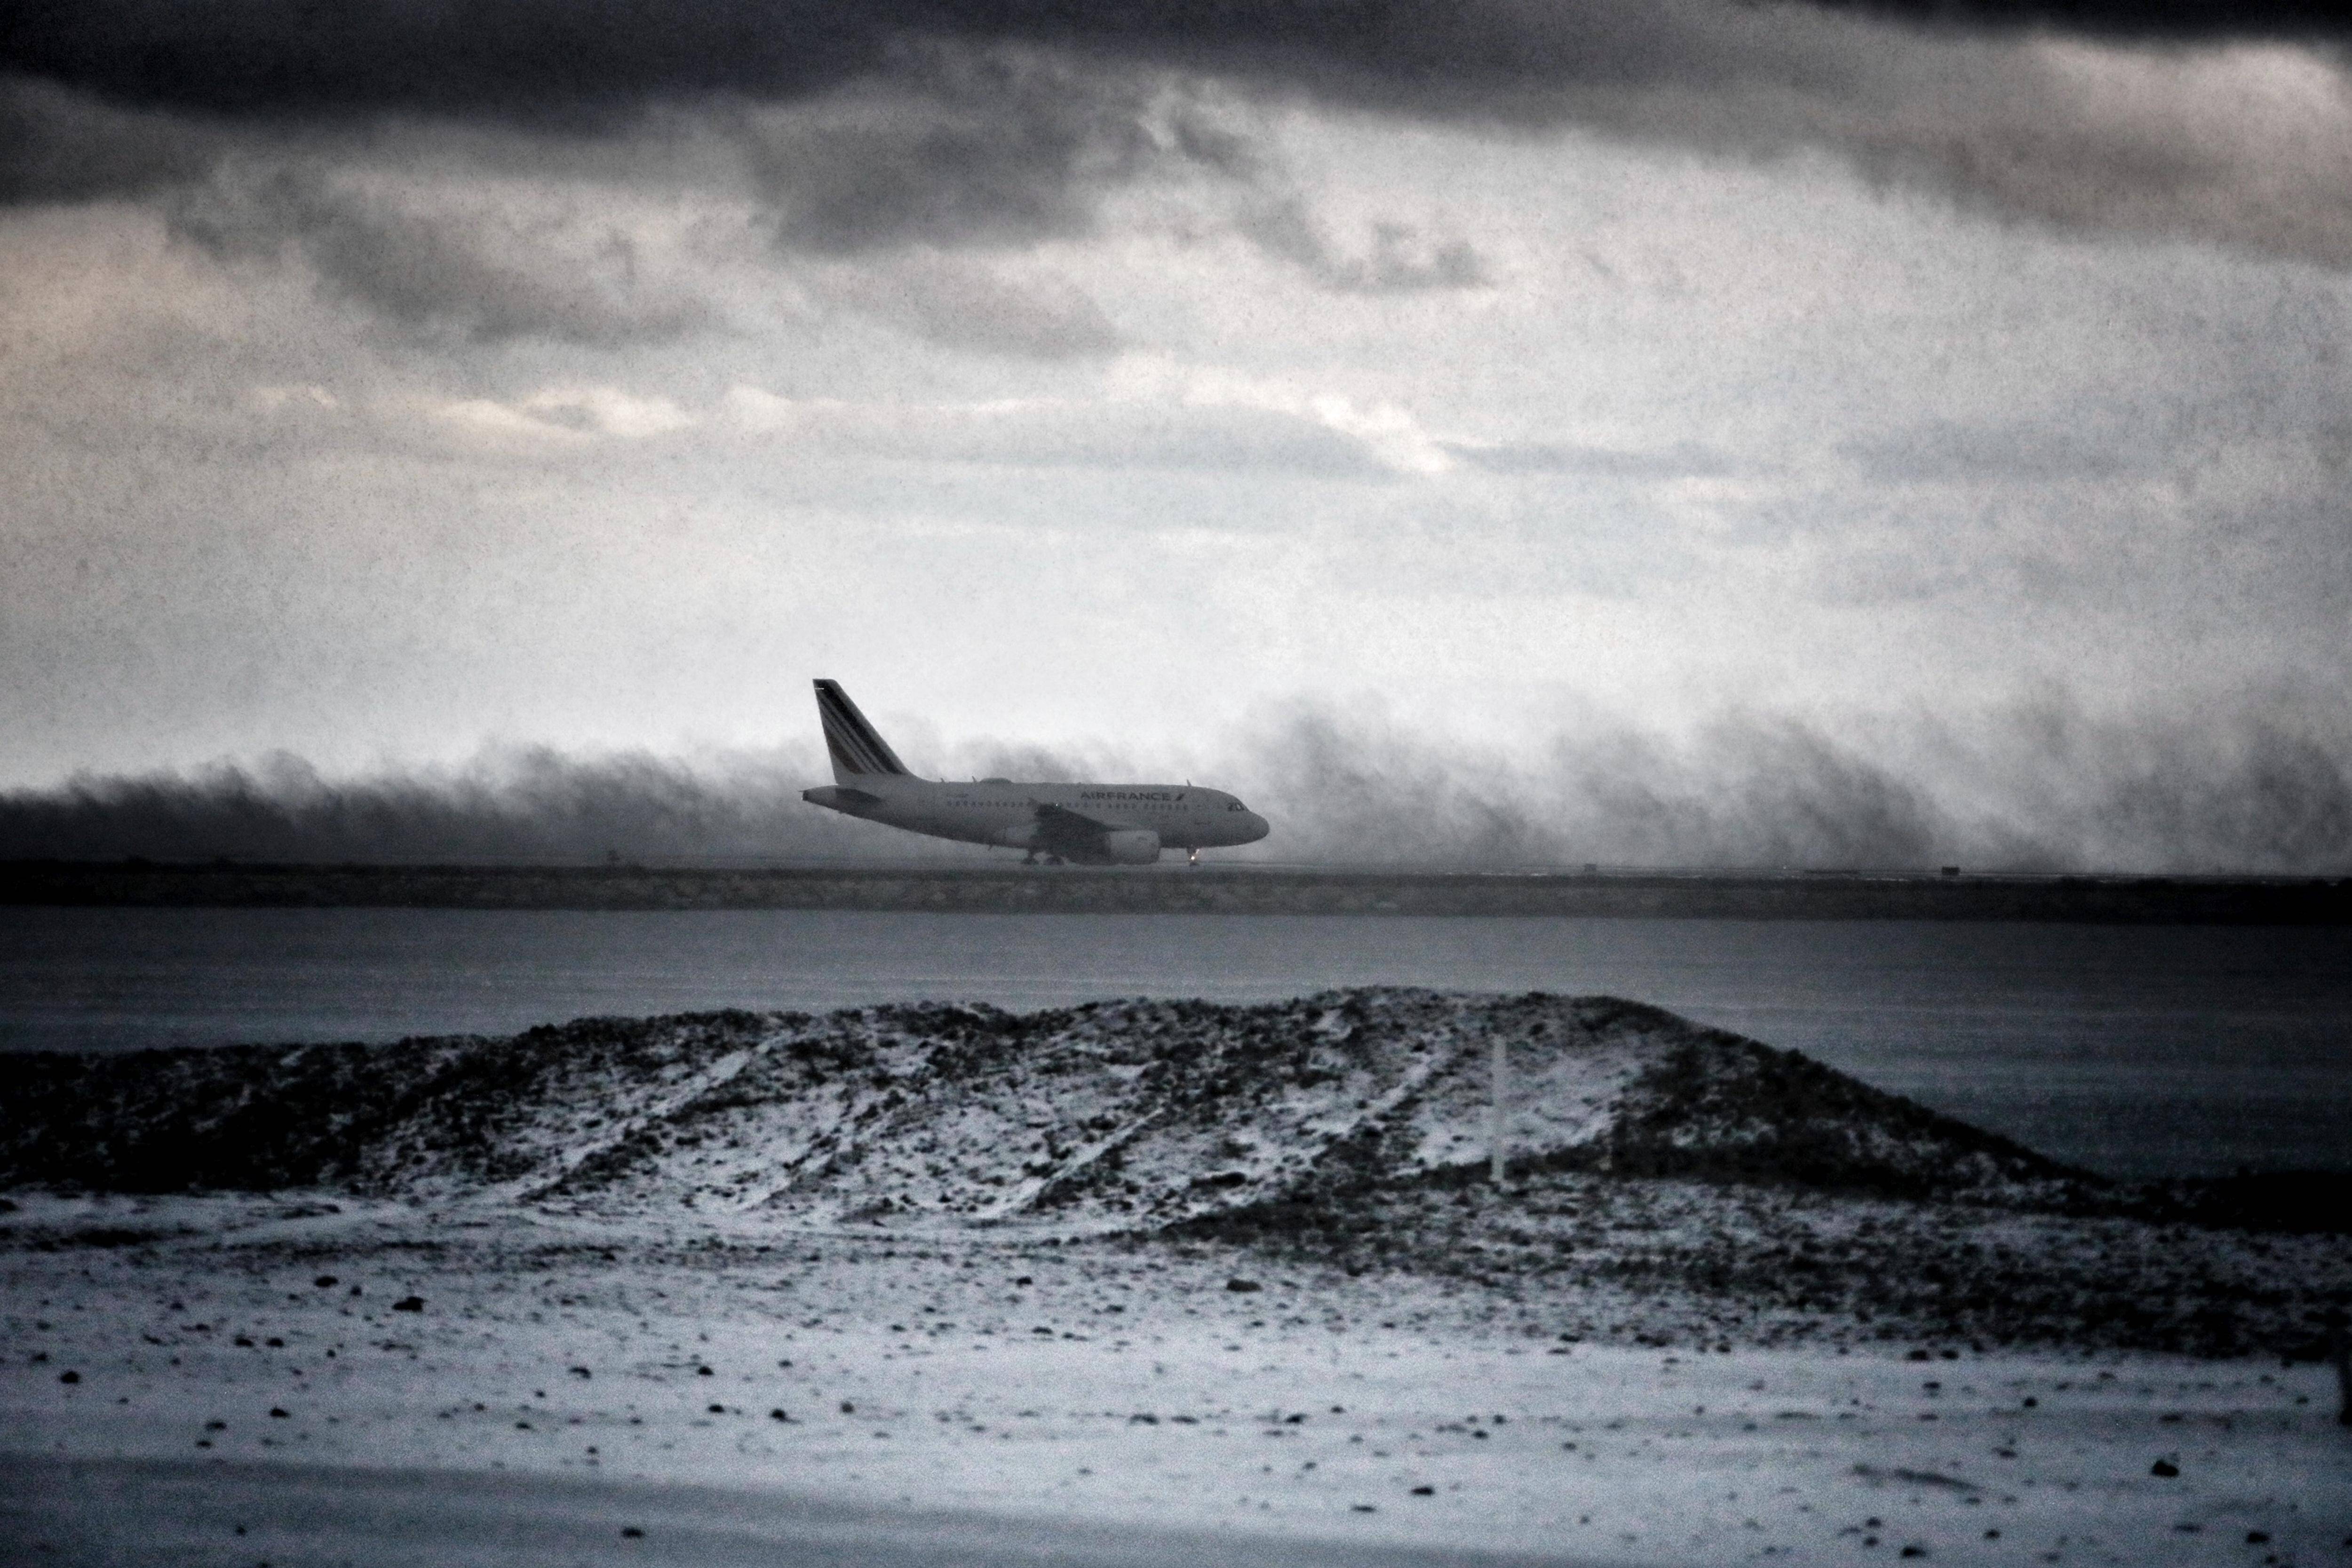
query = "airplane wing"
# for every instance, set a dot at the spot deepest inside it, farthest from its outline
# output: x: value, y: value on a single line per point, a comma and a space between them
x: 1072, y: 835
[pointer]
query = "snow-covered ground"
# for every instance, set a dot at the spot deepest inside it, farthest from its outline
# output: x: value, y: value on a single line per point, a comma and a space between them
x: 1108, y: 1381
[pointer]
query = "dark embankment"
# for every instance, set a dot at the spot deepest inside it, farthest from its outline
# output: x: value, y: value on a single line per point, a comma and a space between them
x: 1126, y: 1114
x: 1010, y: 889
x: 1697, y: 1174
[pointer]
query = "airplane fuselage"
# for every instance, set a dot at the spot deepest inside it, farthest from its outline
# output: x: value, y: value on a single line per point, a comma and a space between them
x: 1093, y: 824
x: 1020, y: 816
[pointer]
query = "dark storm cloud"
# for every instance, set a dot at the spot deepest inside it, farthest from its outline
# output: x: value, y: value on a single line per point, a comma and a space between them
x: 947, y: 150
x: 482, y: 273
x: 1011, y: 116
x: 2169, y: 21
x: 570, y: 60
x: 2038, y: 787
x: 62, y: 146
x: 576, y: 58
x: 963, y: 147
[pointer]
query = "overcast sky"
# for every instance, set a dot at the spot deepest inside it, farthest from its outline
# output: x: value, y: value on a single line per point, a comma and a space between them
x: 1171, y: 385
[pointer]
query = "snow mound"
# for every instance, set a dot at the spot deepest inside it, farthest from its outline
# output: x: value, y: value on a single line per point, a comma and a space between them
x: 1122, y: 1115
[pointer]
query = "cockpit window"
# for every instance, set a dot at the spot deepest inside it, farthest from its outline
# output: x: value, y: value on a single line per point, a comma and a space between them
x: 1235, y: 806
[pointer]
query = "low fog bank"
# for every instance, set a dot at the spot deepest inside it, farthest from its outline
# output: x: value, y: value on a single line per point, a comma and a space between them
x: 2034, y: 787
x: 2041, y: 786
x: 530, y: 804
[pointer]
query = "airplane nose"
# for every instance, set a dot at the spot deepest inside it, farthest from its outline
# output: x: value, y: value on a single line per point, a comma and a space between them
x: 1258, y: 828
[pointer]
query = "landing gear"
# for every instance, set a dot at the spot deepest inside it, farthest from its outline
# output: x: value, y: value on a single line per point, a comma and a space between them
x: 1192, y: 858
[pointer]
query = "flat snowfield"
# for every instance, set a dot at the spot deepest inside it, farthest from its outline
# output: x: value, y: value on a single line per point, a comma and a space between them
x: 246, y: 1381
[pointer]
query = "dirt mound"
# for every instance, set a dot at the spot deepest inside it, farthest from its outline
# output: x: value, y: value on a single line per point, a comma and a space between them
x: 1716, y: 1105
x: 461, y: 1110
x: 1127, y: 1114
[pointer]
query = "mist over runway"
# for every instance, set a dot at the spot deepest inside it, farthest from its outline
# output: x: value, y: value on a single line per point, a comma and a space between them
x: 2034, y: 789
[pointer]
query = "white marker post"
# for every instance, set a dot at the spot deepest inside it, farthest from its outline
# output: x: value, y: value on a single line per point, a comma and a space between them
x: 1497, y: 1156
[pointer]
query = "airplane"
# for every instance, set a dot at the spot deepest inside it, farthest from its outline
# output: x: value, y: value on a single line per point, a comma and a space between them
x: 1090, y: 823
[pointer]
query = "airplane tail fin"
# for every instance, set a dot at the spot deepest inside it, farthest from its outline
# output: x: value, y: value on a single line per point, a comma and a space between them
x: 857, y: 751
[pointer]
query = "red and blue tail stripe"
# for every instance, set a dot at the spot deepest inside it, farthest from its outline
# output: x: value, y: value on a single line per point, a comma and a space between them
x: 855, y: 748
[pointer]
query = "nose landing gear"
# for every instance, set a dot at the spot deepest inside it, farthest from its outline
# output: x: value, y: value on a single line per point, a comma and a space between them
x: 1192, y: 858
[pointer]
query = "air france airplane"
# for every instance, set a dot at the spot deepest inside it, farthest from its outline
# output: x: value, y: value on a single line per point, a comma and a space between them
x: 1092, y: 824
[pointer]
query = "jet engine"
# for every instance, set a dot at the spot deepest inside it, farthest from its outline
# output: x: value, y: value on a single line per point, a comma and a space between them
x: 1131, y: 845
